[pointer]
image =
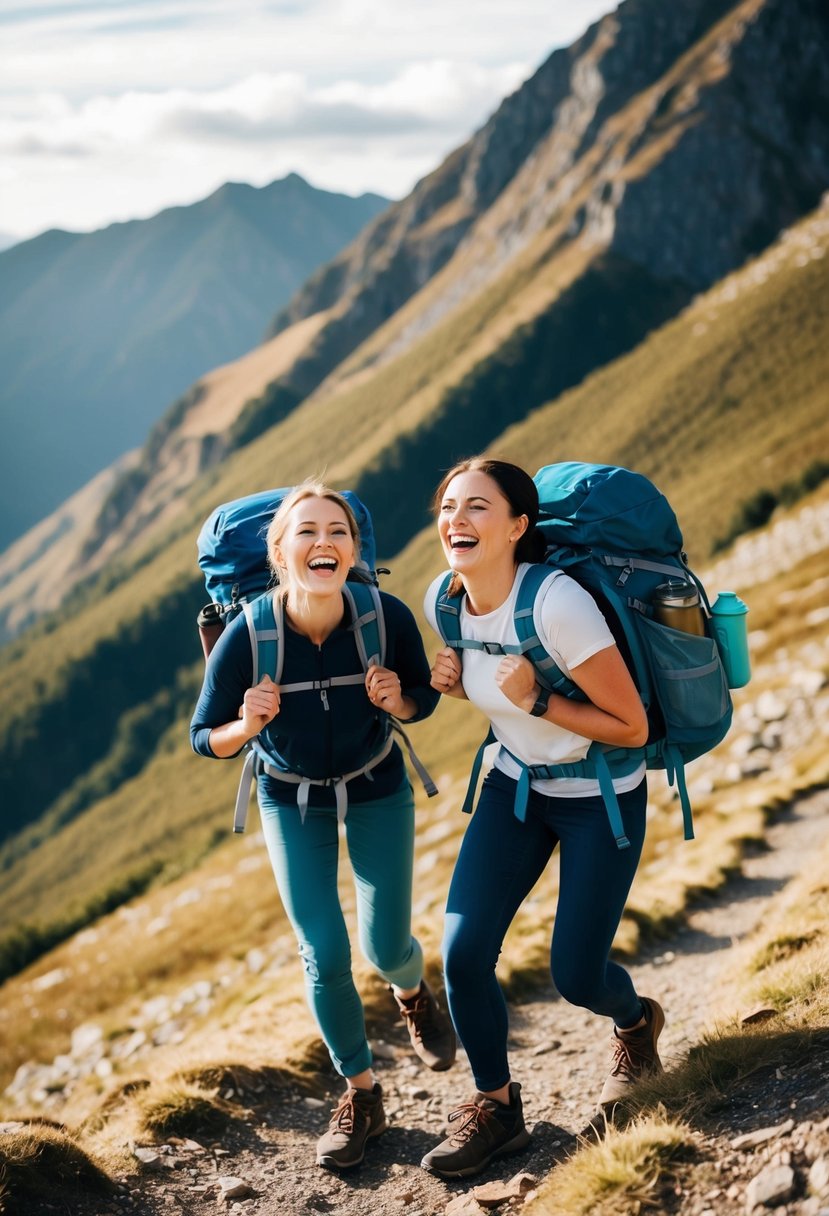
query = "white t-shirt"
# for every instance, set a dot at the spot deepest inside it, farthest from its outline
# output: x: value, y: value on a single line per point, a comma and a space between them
x: 571, y: 628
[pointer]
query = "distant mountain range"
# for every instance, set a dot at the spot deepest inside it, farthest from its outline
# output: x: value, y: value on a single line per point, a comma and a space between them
x: 100, y: 332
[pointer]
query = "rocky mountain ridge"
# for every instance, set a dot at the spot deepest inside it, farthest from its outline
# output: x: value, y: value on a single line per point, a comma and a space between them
x: 633, y: 170
x: 101, y: 331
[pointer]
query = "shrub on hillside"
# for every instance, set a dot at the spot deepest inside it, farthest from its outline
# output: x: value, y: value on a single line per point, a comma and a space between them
x: 756, y: 511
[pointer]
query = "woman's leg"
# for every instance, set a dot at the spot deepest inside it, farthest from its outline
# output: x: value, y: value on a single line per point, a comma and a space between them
x: 499, y: 862
x: 304, y: 858
x: 594, y: 884
x: 380, y: 837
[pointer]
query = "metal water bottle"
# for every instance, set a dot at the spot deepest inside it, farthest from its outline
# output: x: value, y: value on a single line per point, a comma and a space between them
x: 211, y: 626
x: 677, y: 604
x: 728, y: 621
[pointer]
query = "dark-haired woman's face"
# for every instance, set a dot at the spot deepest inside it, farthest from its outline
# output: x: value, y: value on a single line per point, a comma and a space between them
x: 475, y: 522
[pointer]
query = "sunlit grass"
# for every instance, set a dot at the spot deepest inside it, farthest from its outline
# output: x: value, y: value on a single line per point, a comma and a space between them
x: 178, y: 1107
x: 634, y: 1171
x: 39, y: 1163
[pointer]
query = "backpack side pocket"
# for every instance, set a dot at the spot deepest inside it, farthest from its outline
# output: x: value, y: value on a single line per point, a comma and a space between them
x: 688, y: 679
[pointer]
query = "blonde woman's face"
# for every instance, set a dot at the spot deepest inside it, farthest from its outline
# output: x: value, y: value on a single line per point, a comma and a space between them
x: 316, y: 549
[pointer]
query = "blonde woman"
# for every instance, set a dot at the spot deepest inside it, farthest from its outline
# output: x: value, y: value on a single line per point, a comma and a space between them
x: 313, y: 542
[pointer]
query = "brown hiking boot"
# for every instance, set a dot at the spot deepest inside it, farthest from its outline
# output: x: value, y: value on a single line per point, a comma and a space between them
x: 430, y: 1030
x: 487, y: 1129
x: 358, y: 1117
x: 634, y: 1055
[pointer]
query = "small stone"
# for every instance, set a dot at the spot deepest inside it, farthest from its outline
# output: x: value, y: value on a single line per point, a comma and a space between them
x: 491, y: 1194
x: 819, y: 1176
x: 148, y: 1156
x: 234, y: 1188
x: 382, y: 1050
x: 463, y: 1205
x: 762, y: 1135
x: 255, y: 961
x: 772, y: 1186
x: 84, y: 1038
x: 543, y: 1048
x: 313, y: 1103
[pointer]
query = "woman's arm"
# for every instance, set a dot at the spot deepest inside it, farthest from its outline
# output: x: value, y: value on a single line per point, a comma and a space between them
x: 407, y: 663
x: 614, y: 714
x: 259, y: 707
x: 218, y: 728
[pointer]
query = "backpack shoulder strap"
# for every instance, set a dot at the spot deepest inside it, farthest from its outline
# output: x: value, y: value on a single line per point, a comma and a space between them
x: 368, y: 622
x: 448, y: 613
x: 530, y: 645
x: 265, y: 618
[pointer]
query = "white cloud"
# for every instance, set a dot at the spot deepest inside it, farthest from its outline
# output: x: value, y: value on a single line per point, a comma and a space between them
x: 110, y: 110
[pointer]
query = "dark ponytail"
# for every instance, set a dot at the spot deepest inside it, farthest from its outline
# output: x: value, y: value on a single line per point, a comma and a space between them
x: 531, y: 546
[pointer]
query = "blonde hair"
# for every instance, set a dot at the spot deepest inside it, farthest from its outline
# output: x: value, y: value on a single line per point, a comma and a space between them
x: 311, y: 488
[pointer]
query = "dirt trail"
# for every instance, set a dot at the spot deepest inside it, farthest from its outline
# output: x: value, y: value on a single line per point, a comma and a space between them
x: 560, y: 1055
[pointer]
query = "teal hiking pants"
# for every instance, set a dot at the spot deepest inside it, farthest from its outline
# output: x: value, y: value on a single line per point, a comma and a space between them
x: 304, y: 856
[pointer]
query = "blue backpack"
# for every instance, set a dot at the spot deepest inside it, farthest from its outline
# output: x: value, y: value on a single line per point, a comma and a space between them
x: 613, y: 532
x: 232, y: 553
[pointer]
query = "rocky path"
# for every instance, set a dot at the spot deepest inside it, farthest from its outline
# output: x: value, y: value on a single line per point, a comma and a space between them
x: 560, y: 1055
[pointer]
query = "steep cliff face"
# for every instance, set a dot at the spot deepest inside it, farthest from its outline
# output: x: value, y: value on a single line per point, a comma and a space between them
x: 561, y: 106
x: 751, y: 150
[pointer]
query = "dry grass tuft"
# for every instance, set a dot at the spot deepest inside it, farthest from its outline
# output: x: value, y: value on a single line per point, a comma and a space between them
x: 637, y: 1170
x: 42, y: 1160
x: 178, y: 1107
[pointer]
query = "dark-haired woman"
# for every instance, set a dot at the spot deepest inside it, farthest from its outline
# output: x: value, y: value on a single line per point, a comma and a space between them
x: 487, y: 514
x: 312, y: 542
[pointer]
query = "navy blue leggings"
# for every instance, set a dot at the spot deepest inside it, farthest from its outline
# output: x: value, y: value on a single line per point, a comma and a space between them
x: 500, y: 861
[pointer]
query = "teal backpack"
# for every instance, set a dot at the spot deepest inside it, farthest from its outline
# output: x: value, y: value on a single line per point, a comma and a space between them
x: 613, y: 532
x: 232, y: 554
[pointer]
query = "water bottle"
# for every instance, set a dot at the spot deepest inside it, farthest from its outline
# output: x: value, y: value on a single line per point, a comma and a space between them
x: 728, y: 621
x: 676, y: 603
x: 211, y: 626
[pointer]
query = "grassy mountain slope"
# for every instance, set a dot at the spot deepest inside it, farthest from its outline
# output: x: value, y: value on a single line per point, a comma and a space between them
x: 588, y: 221
x: 101, y: 331
x: 627, y: 174
x: 697, y: 406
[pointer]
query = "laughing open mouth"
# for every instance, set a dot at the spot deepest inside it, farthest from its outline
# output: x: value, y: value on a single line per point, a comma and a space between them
x: 323, y: 563
x: 462, y: 543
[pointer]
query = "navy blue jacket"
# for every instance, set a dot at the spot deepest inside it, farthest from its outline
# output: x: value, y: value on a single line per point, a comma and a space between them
x: 312, y: 740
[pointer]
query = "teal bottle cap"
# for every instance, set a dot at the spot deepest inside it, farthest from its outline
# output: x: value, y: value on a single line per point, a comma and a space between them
x: 728, y: 603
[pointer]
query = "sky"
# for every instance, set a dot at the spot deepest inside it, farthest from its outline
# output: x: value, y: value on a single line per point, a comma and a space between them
x: 115, y: 109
